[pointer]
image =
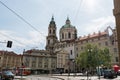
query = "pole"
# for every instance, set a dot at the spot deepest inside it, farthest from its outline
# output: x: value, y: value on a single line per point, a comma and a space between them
x: 87, y: 74
x: 75, y: 67
x: 99, y: 71
x: 89, y: 61
x: 68, y: 65
x: 21, y: 66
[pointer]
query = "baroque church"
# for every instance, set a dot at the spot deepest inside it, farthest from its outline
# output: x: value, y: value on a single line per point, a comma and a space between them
x: 60, y: 54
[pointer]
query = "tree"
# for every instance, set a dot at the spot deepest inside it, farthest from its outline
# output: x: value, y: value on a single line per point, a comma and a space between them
x: 93, y: 56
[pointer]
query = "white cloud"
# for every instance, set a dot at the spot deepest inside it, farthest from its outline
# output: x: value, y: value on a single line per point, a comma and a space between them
x: 37, y: 38
x: 99, y: 24
x: 34, y: 40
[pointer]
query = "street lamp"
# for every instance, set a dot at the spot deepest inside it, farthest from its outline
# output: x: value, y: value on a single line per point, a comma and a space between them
x: 68, y: 65
x: 99, y: 72
x: 88, y: 61
x: 74, y: 67
x: 98, y: 63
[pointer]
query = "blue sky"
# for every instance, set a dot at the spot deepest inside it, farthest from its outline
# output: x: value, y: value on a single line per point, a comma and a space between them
x: 87, y: 15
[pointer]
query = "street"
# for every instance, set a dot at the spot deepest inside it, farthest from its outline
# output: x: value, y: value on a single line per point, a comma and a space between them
x: 36, y: 77
x: 61, y: 77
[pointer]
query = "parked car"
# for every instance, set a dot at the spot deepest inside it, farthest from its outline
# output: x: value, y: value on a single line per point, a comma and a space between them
x: 7, y: 75
x: 108, y: 73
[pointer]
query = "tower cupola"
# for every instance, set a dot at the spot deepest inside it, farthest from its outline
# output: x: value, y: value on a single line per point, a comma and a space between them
x: 68, y: 21
x: 52, y: 20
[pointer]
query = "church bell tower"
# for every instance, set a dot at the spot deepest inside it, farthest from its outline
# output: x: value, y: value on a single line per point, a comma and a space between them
x: 51, y: 39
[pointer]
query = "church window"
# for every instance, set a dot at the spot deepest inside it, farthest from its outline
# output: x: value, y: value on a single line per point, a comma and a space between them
x: 48, y: 41
x: 69, y: 35
x: 71, y: 52
x: 50, y: 31
x: 62, y: 36
x: 53, y: 31
x: 66, y: 36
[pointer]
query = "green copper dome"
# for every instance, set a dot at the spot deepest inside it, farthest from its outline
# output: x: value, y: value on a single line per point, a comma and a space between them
x: 67, y: 24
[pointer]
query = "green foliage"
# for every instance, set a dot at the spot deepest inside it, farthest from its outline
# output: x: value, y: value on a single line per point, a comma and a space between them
x: 93, y: 56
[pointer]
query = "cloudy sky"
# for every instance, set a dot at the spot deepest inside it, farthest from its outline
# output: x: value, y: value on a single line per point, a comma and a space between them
x: 87, y: 15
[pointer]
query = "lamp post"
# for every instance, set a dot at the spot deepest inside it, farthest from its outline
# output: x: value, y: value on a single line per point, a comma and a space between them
x: 88, y: 61
x: 74, y: 67
x: 68, y: 65
x: 98, y: 63
x: 99, y: 72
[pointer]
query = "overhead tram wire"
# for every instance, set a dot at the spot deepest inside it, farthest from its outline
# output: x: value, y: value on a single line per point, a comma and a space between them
x: 78, y: 10
x: 15, y: 40
x: 21, y: 18
x: 12, y: 39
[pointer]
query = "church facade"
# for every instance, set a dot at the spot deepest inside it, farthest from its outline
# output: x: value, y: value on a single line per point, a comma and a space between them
x: 60, y: 54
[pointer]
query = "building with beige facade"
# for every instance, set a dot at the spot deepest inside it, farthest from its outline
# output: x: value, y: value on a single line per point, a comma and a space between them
x: 102, y: 40
x: 9, y: 60
x: 62, y: 61
x: 39, y: 61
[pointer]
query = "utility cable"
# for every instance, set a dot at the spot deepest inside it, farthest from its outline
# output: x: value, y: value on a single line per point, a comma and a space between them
x: 15, y: 40
x: 78, y: 10
x: 12, y: 38
x: 21, y: 18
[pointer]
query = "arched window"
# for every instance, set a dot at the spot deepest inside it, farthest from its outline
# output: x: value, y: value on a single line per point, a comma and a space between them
x: 69, y: 35
x: 71, y: 52
x: 62, y: 36
x: 50, y: 31
x: 48, y: 41
x: 53, y: 31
